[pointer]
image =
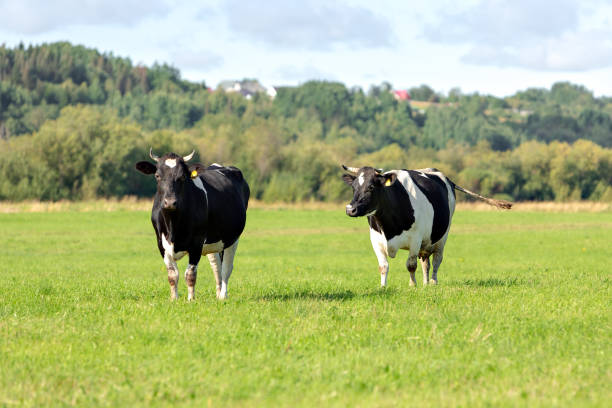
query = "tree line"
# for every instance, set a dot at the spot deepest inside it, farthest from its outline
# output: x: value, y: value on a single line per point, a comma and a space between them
x: 74, y: 121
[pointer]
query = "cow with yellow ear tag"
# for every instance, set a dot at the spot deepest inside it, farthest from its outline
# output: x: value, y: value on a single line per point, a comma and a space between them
x: 197, y: 211
x: 406, y: 209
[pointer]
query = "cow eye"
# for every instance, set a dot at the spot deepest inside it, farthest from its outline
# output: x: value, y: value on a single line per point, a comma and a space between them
x: 157, y: 177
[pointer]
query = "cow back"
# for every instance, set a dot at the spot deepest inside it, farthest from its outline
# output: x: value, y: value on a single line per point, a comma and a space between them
x: 228, y: 195
x: 436, y: 191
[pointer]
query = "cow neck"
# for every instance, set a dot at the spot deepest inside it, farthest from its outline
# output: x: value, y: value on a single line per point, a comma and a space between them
x: 177, y: 222
x: 394, y: 213
x: 171, y: 222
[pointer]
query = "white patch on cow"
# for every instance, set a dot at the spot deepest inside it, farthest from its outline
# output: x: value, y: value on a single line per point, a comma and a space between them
x: 226, y: 269
x: 170, y: 163
x: 379, y: 244
x: 169, y: 249
x: 216, y: 165
x: 449, y: 189
x: 215, y: 265
x: 425, y: 267
x: 198, y: 183
x: 223, y: 292
x: 212, y: 247
x: 349, y: 207
x: 360, y: 179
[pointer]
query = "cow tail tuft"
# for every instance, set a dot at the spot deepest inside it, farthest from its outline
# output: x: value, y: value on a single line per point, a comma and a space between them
x: 503, y: 204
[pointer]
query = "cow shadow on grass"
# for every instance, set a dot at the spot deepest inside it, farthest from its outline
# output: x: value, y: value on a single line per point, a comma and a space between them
x: 324, y: 296
x: 492, y: 282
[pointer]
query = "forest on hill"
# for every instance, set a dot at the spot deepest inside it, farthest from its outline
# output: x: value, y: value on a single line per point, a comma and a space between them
x: 73, y: 121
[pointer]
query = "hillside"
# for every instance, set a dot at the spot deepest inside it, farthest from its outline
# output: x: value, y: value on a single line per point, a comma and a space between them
x: 62, y: 103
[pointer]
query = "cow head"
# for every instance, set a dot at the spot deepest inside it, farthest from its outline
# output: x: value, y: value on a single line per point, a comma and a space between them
x: 171, y: 173
x: 368, y: 188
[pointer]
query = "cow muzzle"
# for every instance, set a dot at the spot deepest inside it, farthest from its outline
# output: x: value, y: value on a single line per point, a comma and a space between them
x: 351, y: 211
x: 169, y: 203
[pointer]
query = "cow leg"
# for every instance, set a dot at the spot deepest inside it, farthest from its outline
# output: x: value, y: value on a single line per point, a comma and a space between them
x: 425, y: 266
x: 173, y: 275
x: 437, y: 260
x: 379, y: 246
x: 226, y: 269
x: 384, y: 271
x: 215, y: 264
x: 191, y: 274
x: 411, y: 264
x: 383, y: 265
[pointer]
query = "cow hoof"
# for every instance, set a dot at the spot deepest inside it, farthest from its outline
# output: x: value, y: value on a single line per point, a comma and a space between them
x: 433, y: 282
x: 412, y: 284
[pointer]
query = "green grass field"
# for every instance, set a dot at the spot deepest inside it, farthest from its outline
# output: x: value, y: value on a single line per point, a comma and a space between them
x: 521, y: 315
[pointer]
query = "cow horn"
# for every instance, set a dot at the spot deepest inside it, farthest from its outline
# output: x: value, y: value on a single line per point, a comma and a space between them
x: 154, y: 157
x: 353, y: 170
x: 189, y: 156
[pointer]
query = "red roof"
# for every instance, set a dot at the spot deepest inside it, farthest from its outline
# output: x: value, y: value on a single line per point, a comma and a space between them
x: 402, y: 95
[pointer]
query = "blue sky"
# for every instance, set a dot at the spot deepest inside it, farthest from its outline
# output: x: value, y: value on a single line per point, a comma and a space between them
x: 493, y: 47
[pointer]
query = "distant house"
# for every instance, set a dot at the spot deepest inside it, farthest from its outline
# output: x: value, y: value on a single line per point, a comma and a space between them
x: 522, y: 112
x: 401, y: 95
x: 247, y: 88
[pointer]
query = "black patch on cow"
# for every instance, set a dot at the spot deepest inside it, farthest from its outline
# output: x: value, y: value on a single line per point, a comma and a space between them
x: 394, y: 213
x: 228, y: 196
x: 436, y: 191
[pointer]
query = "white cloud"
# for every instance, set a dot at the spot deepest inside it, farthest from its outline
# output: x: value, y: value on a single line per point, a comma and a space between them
x: 502, y: 23
x: 309, y: 24
x: 569, y: 52
x: 541, y: 35
x: 40, y: 16
x: 196, y: 60
x: 303, y: 73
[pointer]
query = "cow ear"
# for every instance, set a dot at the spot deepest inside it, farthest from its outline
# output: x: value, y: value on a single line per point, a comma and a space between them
x: 146, y: 167
x: 348, y: 178
x: 195, y: 169
x: 389, y: 179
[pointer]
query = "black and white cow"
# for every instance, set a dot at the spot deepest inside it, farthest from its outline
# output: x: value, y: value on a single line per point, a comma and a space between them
x: 197, y: 211
x: 406, y: 209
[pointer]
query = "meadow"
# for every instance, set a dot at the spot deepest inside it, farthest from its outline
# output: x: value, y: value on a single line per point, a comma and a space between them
x: 521, y: 316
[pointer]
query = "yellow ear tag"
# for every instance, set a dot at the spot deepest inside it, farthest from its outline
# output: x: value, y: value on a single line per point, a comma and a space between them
x: 194, y: 174
x: 388, y: 182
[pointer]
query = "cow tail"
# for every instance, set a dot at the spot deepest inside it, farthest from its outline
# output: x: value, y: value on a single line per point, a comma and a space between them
x: 246, y: 194
x: 503, y: 204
